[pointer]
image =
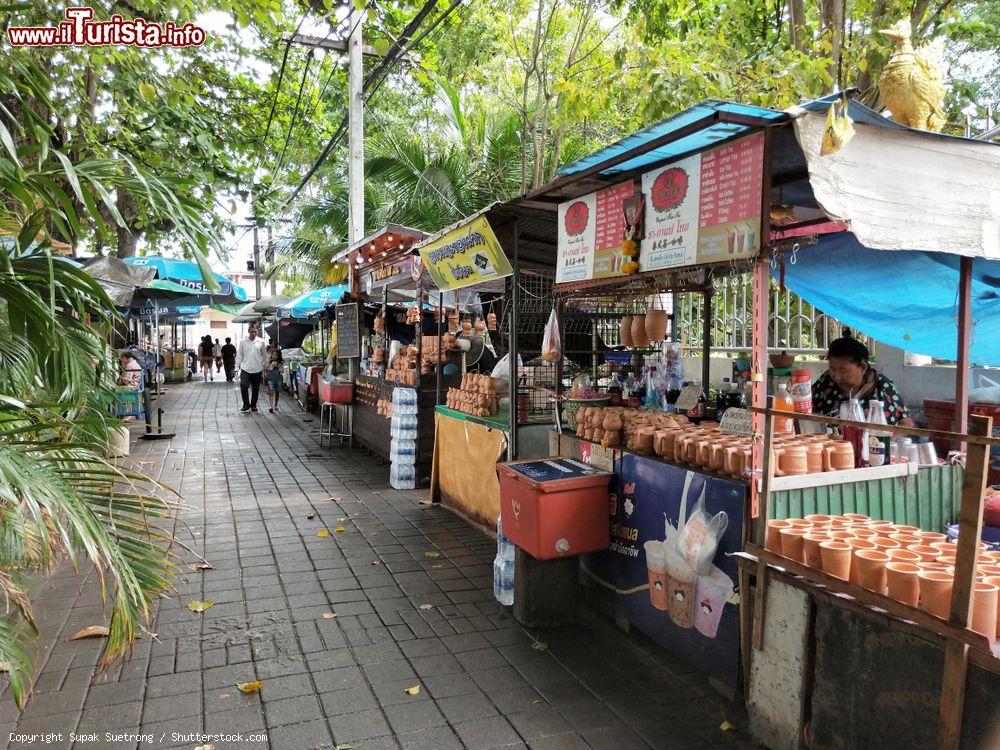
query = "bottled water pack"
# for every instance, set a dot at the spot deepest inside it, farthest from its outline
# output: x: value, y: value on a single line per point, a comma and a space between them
x: 503, y: 568
x: 403, y: 476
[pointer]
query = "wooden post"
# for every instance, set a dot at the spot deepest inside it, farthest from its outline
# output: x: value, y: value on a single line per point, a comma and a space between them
x: 964, y: 343
x: 767, y: 474
x: 558, y: 366
x: 970, y: 525
x: 706, y: 337
x: 758, y: 374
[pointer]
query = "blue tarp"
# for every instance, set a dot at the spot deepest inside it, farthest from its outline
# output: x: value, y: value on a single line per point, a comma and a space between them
x: 905, y: 298
x: 311, y: 302
x: 188, y: 273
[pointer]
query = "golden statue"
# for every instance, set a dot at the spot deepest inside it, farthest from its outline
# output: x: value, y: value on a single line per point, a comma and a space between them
x: 912, y: 83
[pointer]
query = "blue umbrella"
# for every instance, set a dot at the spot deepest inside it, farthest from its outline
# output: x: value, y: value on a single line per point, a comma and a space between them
x: 188, y: 273
x: 311, y: 302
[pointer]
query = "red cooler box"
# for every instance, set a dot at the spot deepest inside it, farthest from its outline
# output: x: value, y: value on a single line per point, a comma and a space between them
x: 555, y: 507
x: 336, y: 391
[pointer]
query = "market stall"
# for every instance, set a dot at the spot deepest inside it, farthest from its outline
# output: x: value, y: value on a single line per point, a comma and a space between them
x: 300, y: 315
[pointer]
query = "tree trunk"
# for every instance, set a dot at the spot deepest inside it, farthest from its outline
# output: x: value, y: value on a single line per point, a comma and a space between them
x: 128, y: 237
x: 832, y: 20
x: 797, y: 24
x: 866, y: 79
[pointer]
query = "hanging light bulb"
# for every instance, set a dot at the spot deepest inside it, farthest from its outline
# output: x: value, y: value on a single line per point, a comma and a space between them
x: 389, y: 237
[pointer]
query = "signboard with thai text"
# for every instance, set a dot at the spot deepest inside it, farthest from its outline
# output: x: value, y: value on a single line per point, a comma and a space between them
x: 591, y: 229
x: 466, y: 256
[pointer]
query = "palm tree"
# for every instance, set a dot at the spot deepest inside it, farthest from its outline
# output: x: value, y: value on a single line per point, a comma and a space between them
x: 60, y: 497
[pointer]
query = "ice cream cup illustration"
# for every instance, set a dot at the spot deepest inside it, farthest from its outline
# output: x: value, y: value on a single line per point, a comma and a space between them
x: 656, y: 564
x: 710, y: 594
x: 681, y: 590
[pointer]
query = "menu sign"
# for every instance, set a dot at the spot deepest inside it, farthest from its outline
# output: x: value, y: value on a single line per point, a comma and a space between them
x: 591, y: 229
x: 671, y: 215
x: 348, y: 331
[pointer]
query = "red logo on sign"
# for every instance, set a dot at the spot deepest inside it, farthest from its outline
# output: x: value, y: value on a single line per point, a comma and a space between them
x: 669, y: 189
x: 577, y: 216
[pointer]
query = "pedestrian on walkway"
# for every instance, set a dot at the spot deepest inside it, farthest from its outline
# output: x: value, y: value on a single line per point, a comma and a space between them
x: 251, y: 356
x: 206, y: 356
x: 217, y: 353
x: 273, y: 377
x: 229, y: 359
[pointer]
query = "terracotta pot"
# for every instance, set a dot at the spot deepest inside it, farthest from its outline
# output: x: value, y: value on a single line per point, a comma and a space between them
x: 656, y: 325
x: 733, y: 456
x: 836, y: 559
x: 871, y: 569
x: 791, y: 460
x: 948, y: 558
x: 944, y: 546
x: 837, y: 456
x: 625, y: 331
x: 930, y: 537
x: 839, y: 521
x: 925, y: 553
x: 935, y: 592
x: 905, y: 540
x: 995, y: 581
x: 800, y: 522
x: 717, y: 463
x: 855, y: 517
x: 612, y: 422
x: 862, y: 532
x: 644, y: 439
x: 818, y: 519
x: 705, y: 448
x: 772, y: 538
x: 933, y: 566
x: 814, y: 456
x: 841, y: 535
x: 990, y: 570
x: 885, y: 543
x: 984, y: 609
x: 903, y: 582
x: 663, y: 443
x: 639, y: 338
x: 900, y: 529
x: 883, y: 527
x: 903, y: 555
x: 791, y: 543
x: 810, y: 550
x: 857, y: 545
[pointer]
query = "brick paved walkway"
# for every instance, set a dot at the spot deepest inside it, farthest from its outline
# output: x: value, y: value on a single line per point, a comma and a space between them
x: 403, y: 618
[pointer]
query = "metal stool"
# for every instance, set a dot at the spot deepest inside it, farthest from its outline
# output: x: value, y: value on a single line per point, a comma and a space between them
x: 331, y: 431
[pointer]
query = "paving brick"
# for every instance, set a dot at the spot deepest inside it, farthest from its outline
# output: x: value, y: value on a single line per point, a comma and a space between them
x: 360, y: 725
x: 484, y: 734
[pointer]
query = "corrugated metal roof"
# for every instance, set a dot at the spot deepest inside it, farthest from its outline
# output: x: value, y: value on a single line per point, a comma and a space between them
x: 699, y: 140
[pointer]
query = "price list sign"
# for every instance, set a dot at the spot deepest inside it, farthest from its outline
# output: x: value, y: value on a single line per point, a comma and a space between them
x: 591, y: 229
x: 609, y: 229
x: 729, y: 210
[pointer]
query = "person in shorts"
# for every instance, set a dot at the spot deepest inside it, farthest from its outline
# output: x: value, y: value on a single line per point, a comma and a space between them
x: 273, y: 376
x: 206, y: 355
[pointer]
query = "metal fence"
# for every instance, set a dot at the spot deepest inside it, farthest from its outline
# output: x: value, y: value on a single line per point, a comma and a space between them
x: 794, y: 325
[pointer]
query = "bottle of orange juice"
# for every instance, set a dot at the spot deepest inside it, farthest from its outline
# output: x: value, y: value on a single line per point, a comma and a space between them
x: 783, y: 402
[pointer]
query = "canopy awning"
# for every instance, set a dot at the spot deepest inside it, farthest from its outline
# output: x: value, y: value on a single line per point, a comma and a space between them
x: 309, y: 303
x: 188, y: 273
x: 907, y: 299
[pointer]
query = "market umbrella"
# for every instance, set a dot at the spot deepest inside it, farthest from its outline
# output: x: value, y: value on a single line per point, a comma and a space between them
x: 311, y: 302
x: 289, y: 333
x: 118, y: 278
x: 189, y: 274
x: 265, y: 307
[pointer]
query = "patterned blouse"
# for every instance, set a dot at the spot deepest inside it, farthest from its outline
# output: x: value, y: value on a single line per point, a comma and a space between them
x: 827, y: 395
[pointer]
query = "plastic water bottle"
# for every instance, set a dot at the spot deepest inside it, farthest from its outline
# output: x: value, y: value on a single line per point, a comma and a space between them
x: 503, y: 569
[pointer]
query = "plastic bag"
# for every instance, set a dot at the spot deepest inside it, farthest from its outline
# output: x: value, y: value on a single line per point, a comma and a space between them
x: 551, y: 345
x: 700, y: 536
x: 502, y: 373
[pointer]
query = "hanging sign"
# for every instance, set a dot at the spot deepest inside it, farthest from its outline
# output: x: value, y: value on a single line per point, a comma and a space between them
x: 348, y: 331
x: 591, y: 229
x: 736, y: 421
x: 671, y: 215
x: 389, y: 273
x: 466, y: 256
x: 689, y: 397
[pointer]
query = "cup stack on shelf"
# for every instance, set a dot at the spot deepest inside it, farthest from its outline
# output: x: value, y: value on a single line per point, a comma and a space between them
x: 403, y: 445
x: 477, y: 396
x: 905, y: 563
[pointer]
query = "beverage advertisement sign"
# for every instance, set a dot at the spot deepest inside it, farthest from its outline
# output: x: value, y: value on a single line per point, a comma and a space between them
x: 591, y: 229
x: 694, y: 614
x: 467, y: 255
x: 729, y: 214
x: 671, y: 215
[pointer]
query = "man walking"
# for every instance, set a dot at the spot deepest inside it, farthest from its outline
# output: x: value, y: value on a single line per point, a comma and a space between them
x: 251, y: 356
x: 229, y: 359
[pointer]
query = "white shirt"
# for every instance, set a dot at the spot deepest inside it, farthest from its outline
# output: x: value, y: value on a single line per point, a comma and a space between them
x: 250, y: 355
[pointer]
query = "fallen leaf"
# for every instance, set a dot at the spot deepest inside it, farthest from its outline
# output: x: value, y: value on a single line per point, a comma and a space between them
x: 205, y: 747
x: 322, y: 533
x: 725, y: 726
x: 535, y: 702
x: 376, y: 562
x: 199, y: 606
x: 224, y: 696
x: 413, y: 690
x: 202, y: 566
x: 329, y: 615
x: 340, y: 528
x: 432, y: 554
x: 335, y: 499
x: 94, y: 631
x: 341, y: 520
x: 426, y: 606
x: 344, y: 747
x: 540, y: 646
x: 439, y: 565
x: 311, y: 516
x: 424, y: 502
x: 253, y: 686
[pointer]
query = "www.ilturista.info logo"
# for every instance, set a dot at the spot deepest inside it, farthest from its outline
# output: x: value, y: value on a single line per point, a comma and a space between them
x: 78, y: 30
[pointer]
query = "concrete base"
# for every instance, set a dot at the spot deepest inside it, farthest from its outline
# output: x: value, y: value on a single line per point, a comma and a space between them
x: 546, y: 592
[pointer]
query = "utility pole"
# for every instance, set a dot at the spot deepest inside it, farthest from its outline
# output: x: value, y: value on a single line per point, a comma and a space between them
x: 270, y: 260
x: 256, y: 256
x: 356, y: 133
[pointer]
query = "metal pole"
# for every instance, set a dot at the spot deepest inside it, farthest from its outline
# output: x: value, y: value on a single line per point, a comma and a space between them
x: 758, y: 352
x: 256, y: 258
x: 964, y: 344
x: 706, y: 338
x: 440, y: 315
x: 270, y: 260
x: 512, y: 349
x: 356, y: 134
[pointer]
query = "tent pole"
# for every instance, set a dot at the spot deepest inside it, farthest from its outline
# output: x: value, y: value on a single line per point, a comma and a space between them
x: 512, y: 347
x: 964, y: 344
x: 706, y: 337
x: 758, y: 354
x: 440, y: 315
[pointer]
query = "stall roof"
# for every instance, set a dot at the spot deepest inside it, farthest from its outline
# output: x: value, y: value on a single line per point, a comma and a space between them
x: 695, y: 129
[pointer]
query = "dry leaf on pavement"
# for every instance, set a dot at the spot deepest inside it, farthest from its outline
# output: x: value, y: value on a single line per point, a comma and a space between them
x: 341, y: 520
x: 253, y: 686
x: 202, y: 566
x: 322, y: 533
x: 412, y: 690
x: 426, y: 606
x: 344, y: 746
x: 340, y: 528
x: 335, y: 499
x: 199, y: 606
x: 311, y: 516
x: 432, y: 554
x: 329, y: 615
x: 376, y: 562
x: 540, y: 646
x: 94, y: 631
x: 205, y: 747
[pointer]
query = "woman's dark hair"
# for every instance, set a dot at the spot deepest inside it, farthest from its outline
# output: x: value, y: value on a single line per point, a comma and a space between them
x: 850, y: 348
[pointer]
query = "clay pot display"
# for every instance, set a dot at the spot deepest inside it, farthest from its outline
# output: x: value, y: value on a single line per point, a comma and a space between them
x: 791, y: 543
x: 903, y: 582
x: 857, y: 545
x: 656, y: 325
x: 612, y: 422
x: 884, y: 543
x: 984, y: 609
x: 639, y: 338
x: 644, y: 440
x: 935, y: 592
x: 836, y: 559
x: 772, y: 538
x: 838, y: 455
x: 871, y: 569
x: 903, y: 555
x: 810, y: 550
x: 625, y: 331
x: 995, y: 581
x: 925, y: 553
x: 791, y: 460
x: 814, y: 456
x: 818, y: 519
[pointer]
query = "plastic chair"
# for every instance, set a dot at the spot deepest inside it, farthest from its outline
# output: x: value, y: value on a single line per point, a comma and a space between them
x: 129, y: 401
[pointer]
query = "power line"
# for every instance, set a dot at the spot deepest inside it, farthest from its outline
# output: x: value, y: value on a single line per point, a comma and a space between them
x: 393, y: 55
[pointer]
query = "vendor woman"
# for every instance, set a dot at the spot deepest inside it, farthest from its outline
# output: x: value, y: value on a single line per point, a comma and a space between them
x: 850, y: 375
